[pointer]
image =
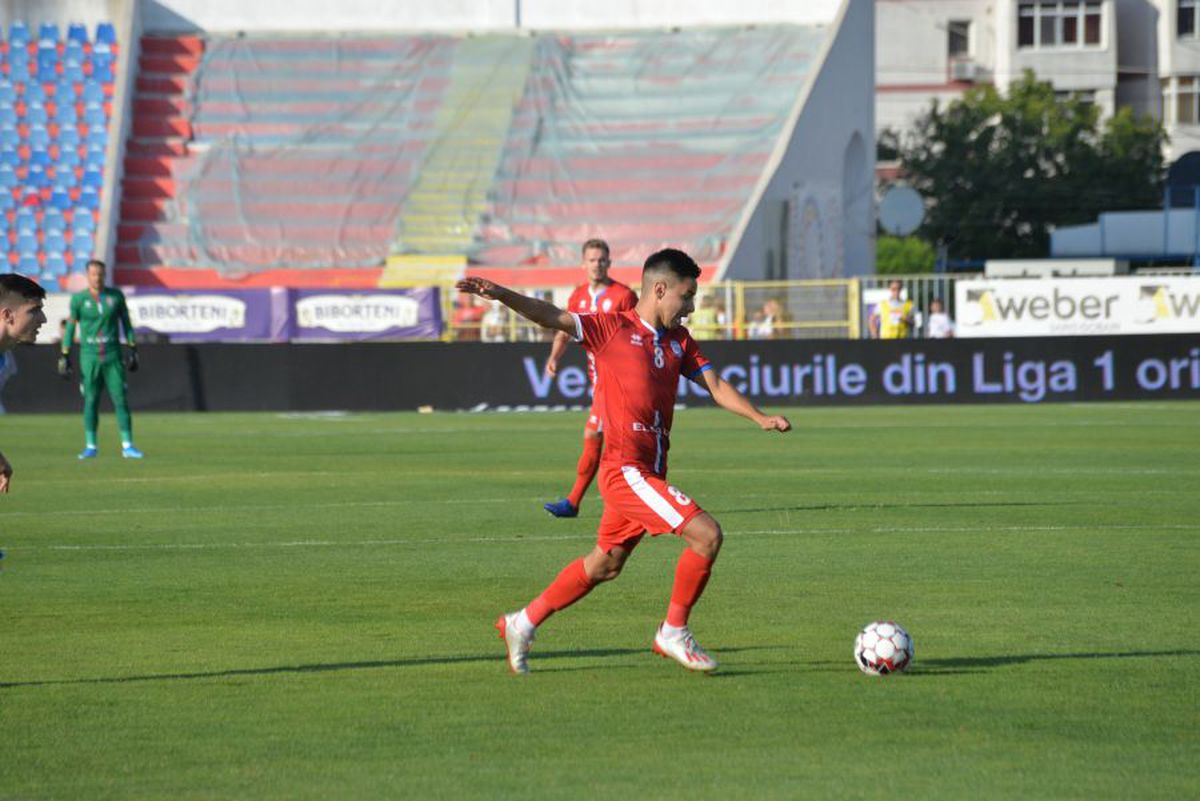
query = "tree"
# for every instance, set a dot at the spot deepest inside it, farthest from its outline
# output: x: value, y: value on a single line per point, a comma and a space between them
x: 907, y: 255
x: 1001, y: 172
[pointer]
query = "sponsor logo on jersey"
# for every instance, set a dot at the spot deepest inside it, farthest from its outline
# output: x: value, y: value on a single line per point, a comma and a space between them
x: 635, y: 339
x: 677, y: 349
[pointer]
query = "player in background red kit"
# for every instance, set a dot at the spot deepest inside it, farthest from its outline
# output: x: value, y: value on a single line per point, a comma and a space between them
x: 639, y: 356
x: 598, y: 294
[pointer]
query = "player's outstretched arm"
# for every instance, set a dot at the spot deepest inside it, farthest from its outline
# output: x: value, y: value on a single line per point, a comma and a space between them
x: 547, y: 315
x: 727, y: 397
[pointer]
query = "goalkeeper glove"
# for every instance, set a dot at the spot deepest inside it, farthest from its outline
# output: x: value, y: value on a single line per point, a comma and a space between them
x: 132, y: 361
x: 64, y: 366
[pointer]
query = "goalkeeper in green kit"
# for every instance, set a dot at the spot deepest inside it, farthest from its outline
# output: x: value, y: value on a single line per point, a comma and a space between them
x: 100, y: 312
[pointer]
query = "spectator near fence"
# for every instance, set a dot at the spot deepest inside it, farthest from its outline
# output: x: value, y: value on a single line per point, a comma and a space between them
x: 939, y: 325
x: 893, y: 317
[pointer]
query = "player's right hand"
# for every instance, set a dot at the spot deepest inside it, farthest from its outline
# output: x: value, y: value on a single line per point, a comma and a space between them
x: 480, y: 286
x: 64, y: 366
x: 551, y: 367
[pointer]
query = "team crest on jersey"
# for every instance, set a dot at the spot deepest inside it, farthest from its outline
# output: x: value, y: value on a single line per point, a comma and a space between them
x: 677, y: 349
x: 606, y: 305
x: 635, y: 339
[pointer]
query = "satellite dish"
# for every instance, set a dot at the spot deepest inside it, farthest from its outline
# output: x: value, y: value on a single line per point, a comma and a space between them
x: 901, y: 210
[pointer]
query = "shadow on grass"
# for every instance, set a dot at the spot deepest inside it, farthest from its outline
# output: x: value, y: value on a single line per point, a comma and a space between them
x: 853, y: 507
x: 324, y: 667
x: 957, y: 665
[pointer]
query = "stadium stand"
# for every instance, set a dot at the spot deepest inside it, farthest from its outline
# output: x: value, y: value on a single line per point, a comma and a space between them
x: 55, y: 108
x: 251, y: 154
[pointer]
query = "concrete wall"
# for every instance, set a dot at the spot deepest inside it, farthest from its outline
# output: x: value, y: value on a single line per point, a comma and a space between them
x: 33, y: 12
x: 450, y: 15
x: 820, y: 191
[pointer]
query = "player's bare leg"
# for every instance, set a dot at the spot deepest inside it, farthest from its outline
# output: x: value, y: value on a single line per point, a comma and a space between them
x: 576, y: 580
x: 585, y: 472
x: 674, y: 639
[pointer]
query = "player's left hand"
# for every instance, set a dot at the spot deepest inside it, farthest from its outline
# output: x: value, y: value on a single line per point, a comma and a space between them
x: 131, y: 363
x: 479, y: 286
x: 776, y: 422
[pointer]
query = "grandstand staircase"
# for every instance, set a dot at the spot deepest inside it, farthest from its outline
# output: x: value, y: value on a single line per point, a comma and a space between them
x: 158, y: 142
x: 442, y: 210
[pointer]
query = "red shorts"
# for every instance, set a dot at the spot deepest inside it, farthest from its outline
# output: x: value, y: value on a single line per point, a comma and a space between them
x: 637, y: 502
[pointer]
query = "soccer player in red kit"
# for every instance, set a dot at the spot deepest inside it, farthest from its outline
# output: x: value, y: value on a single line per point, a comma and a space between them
x: 640, y: 355
x: 599, y: 294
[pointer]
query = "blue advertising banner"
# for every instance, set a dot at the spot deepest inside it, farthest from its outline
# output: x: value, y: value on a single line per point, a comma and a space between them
x: 325, y: 315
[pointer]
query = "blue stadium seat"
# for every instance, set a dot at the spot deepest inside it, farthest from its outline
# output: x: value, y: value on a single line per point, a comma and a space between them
x: 68, y: 154
x: 106, y: 33
x: 64, y: 91
x: 68, y: 136
x: 40, y: 157
x: 61, y: 199
x: 48, y: 33
x: 8, y: 116
x: 27, y: 242
x: 18, y: 33
x: 83, y: 222
x: 93, y: 176
x: 53, y: 221
x: 93, y: 92
x: 36, y: 115
x: 65, y: 114
x: 8, y: 179
x: 8, y: 92
x: 82, y: 242
x: 77, y: 32
x: 35, y: 92
x: 94, y: 117
x: 39, y: 137
x: 26, y: 221
x: 89, y: 197
x: 54, y: 241
x: 55, y: 265
x: 73, y: 72
x: 9, y: 156
x: 28, y: 265
x: 10, y: 138
x: 37, y: 176
x: 7, y: 202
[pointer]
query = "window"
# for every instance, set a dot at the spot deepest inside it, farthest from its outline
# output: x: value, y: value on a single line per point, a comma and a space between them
x: 1060, y: 23
x: 1181, y: 100
x: 959, y: 38
x: 1185, y: 20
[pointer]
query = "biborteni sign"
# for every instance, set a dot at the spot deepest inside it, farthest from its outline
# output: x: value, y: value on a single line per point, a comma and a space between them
x: 1077, y: 306
x: 378, y: 314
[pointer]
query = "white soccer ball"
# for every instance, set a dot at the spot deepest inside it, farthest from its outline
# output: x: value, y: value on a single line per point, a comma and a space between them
x: 883, y: 648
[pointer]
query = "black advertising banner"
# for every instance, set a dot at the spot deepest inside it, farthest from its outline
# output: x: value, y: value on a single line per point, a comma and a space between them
x: 383, y: 376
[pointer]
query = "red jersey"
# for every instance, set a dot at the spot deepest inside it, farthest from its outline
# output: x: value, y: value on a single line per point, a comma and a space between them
x: 638, y: 370
x: 613, y: 298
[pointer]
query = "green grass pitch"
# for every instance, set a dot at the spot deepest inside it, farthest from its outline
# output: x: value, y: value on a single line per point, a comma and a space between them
x: 301, y: 607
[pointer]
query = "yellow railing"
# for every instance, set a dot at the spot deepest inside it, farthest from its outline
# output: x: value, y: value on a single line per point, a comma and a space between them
x: 822, y: 309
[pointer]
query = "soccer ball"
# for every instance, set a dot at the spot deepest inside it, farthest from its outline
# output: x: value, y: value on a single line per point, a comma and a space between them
x: 883, y: 648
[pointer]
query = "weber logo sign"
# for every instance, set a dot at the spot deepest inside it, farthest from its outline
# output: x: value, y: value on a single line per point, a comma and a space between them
x: 1081, y: 306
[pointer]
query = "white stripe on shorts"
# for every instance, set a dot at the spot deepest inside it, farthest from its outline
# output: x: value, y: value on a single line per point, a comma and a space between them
x: 657, y: 503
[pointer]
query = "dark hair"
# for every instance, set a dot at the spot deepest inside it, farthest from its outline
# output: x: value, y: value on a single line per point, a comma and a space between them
x: 97, y: 262
x: 13, y: 286
x: 674, y: 261
x: 594, y: 244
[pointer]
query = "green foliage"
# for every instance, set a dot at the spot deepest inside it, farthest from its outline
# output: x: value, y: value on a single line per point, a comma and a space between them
x: 1001, y: 172
x: 907, y: 255
x: 273, y: 608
